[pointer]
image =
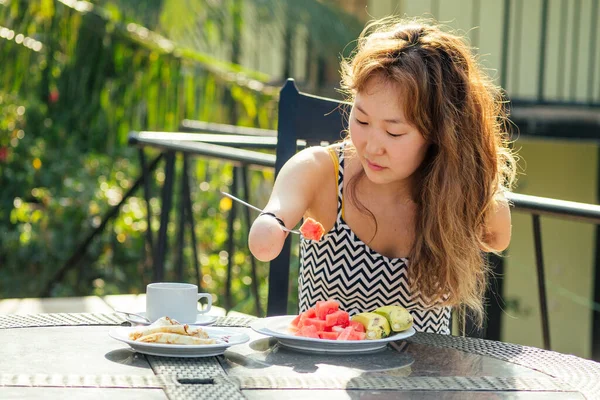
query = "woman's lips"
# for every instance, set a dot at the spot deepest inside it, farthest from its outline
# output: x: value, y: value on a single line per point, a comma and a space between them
x: 374, y: 166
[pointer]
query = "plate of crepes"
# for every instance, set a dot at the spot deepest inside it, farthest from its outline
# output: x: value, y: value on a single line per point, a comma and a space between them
x: 167, y: 337
x: 325, y: 328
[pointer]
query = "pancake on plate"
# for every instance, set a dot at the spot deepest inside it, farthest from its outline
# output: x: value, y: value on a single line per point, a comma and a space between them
x: 173, y: 338
x: 169, y: 331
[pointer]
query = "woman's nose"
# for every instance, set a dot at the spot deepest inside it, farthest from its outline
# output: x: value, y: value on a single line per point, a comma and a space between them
x: 374, y: 147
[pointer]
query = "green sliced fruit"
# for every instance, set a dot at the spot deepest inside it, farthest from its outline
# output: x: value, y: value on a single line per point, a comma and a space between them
x: 398, y: 317
x: 376, y: 326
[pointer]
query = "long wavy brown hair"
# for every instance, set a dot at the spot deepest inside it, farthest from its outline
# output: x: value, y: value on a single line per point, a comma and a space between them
x: 459, y: 110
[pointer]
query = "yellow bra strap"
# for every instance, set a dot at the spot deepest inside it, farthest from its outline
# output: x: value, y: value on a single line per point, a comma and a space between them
x: 336, y: 166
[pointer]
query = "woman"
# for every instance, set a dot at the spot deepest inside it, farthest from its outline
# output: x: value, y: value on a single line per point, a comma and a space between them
x: 413, y: 196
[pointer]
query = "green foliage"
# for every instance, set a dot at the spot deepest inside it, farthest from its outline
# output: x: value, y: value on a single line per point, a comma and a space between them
x: 78, y: 82
x: 329, y: 26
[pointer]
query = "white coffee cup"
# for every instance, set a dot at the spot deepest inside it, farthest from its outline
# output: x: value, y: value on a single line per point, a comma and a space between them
x: 175, y: 300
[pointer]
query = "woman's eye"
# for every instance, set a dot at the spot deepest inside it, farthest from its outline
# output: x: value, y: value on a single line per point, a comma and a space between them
x: 361, y: 122
x: 395, y: 135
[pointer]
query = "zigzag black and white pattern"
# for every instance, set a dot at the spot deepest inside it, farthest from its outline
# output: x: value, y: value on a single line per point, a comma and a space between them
x: 342, y: 267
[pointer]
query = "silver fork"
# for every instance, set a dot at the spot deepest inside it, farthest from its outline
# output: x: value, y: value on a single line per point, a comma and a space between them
x: 232, y: 197
x: 134, y: 314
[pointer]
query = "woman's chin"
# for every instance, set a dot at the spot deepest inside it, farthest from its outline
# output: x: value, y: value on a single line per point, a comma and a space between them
x: 376, y: 177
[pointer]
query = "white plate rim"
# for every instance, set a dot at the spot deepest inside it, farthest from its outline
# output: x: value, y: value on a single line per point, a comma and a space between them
x: 177, y: 350
x: 364, y: 347
x: 211, y: 319
x: 150, y: 352
x: 261, y: 326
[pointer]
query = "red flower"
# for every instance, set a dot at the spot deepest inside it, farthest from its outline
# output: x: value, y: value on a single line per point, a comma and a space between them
x: 3, y: 154
x: 53, y: 96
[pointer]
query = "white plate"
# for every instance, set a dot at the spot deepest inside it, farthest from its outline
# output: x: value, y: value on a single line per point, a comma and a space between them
x: 201, y: 319
x: 278, y: 328
x: 177, y: 350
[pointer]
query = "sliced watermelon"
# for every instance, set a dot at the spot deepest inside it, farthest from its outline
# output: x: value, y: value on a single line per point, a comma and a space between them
x: 319, y: 324
x: 350, y: 334
x: 323, y: 308
x: 338, y: 317
x: 358, y: 335
x: 358, y: 327
x: 346, y: 334
x: 308, y: 331
x: 295, y: 321
x: 328, y: 335
x: 326, y: 321
x: 310, y: 313
x: 298, y: 321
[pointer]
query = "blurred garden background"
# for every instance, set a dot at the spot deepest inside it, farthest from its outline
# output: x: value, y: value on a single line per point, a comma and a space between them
x: 76, y: 77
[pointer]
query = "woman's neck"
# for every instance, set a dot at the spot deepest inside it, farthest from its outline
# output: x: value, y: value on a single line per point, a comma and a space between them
x: 400, y: 192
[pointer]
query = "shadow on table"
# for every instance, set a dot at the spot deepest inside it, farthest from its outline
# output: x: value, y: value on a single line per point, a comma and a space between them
x: 267, y: 352
x: 127, y: 357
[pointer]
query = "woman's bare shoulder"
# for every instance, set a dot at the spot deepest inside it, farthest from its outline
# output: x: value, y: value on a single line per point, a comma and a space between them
x: 498, y: 229
x: 311, y: 162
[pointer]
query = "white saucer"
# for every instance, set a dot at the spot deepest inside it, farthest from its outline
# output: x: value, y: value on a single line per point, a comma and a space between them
x: 201, y: 319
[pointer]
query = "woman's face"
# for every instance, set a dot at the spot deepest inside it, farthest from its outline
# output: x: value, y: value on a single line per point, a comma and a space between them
x: 389, y: 148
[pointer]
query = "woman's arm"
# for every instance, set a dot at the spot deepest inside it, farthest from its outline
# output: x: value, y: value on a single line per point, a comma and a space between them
x: 295, y: 189
x: 498, y: 227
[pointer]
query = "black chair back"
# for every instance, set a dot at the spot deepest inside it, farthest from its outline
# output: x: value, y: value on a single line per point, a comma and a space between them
x: 315, y: 120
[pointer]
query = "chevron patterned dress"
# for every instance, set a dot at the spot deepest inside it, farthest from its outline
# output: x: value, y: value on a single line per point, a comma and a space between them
x: 342, y: 267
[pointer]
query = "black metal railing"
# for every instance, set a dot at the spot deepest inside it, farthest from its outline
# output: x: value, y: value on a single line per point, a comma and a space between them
x: 541, y: 206
x: 533, y: 205
x: 537, y: 207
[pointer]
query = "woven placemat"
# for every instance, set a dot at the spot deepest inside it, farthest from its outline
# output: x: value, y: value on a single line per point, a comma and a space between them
x: 89, y: 381
x: 419, y: 383
x: 220, y: 389
x: 59, y: 319
x: 237, y: 321
x: 78, y: 319
x: 198, y: 378
x: 213, y: 389
x: 187, y: 368
x: 581, y: 374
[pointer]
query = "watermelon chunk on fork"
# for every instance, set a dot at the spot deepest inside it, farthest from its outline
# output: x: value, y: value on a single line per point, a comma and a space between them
x: 311, y: 229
